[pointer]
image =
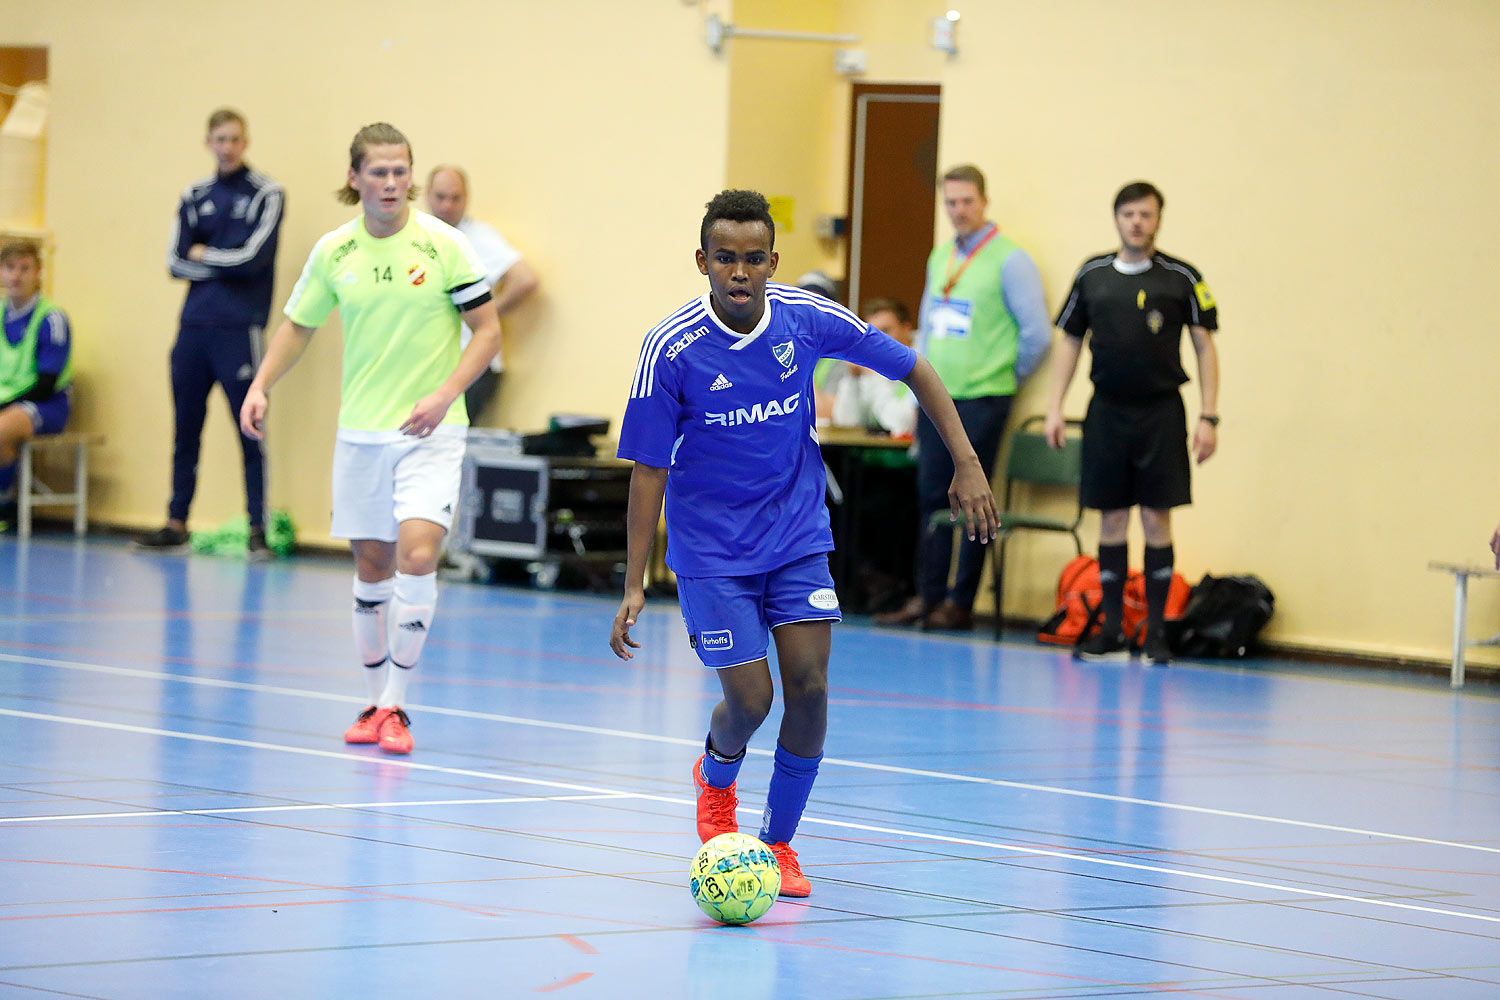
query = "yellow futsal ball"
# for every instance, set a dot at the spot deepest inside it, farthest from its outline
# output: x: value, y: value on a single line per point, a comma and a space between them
x: 734, y: 878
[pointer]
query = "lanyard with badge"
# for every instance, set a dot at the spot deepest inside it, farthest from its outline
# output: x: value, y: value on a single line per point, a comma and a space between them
x: 950, y: 317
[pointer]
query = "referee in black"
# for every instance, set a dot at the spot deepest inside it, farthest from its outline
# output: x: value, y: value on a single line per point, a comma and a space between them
x: 1135, y: 302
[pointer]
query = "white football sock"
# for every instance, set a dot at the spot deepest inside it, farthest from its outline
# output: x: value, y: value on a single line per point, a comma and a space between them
x: 372, y: 603
x: 411, y: 618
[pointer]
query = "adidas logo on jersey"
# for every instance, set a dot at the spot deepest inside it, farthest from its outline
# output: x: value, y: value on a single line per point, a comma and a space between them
x: 720, y: 383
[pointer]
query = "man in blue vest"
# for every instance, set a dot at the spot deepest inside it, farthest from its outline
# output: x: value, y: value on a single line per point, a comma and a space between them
x: 35, y: 363
x: 984, y: 327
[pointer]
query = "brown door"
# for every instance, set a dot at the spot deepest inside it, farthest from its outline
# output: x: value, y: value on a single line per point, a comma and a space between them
x: 893, y: 137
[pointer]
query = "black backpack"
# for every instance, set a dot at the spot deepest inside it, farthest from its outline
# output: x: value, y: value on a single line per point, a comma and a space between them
x: 1223, y: 617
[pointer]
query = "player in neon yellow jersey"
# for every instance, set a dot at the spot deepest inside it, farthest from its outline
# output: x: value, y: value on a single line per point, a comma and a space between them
x: 401, y: 279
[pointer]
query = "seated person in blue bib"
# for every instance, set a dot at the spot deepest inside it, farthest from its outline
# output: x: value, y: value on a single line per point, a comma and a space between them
x: 720, y: 423
x: 35, y: 362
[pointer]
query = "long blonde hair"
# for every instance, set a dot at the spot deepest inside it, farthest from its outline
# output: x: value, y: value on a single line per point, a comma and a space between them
x: 379, y: 134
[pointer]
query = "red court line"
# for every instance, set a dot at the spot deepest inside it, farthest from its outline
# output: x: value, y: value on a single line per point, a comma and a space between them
x: 823, y: 943
x: 580, y: 944
x: 572, y: 980
x: 484, y: 911
x: 479, y: 910
x: 187, y: 909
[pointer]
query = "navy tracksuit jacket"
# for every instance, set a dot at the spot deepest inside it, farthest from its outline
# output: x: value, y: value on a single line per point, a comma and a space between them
x: 237, y: 217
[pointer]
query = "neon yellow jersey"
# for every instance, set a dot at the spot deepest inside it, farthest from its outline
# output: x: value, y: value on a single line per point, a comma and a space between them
x: 399, y: 298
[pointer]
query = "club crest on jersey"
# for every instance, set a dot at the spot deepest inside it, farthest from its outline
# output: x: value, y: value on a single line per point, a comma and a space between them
x: 783, y: 353
x: 416, y: 274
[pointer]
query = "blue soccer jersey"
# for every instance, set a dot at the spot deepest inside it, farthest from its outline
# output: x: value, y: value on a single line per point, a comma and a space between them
x: 731, y: 417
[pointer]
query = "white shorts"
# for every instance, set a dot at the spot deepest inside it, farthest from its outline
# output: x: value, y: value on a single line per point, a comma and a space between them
x: 377, y: 486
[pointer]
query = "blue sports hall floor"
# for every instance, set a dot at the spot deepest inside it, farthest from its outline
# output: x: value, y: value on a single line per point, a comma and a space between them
x: 180, y: 818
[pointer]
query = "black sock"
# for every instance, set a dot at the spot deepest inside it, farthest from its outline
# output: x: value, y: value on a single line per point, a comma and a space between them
x: 1112, y: 567
x: 1159, y: 561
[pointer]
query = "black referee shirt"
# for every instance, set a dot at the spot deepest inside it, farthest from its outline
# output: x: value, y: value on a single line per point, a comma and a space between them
x: 1137, y: 322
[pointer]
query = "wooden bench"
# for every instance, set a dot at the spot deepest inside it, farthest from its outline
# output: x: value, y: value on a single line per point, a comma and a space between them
x: 1461, y: 574
x: 32, y: 492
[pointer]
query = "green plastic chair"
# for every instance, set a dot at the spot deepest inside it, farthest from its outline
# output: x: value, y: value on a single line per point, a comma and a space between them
x: 1031, y: 461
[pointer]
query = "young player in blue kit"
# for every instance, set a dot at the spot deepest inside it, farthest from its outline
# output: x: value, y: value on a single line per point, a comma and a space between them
x: 720, y: 424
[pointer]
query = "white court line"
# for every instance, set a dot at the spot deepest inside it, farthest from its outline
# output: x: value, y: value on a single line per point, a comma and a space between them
x: 862, y: 827
x: 697, y: 743
x: 308, y: 806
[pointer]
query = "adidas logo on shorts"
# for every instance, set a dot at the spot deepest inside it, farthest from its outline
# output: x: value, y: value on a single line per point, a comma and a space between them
x: 416, y: 626
x: 720, y: 383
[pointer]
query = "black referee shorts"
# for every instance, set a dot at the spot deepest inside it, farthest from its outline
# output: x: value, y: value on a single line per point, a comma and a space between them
x: 1136, y: 454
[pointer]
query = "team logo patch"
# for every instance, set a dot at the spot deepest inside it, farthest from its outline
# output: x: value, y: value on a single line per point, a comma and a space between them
x: 416, y: 274
x: 783, y: 353
x: 823, y: 600
x: 1154, y: 320
x: 718, y: 641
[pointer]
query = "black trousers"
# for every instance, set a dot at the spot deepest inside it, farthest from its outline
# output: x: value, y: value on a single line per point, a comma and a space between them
x: 202, y: 356
x: 984, y: 421
x: 478, y: 395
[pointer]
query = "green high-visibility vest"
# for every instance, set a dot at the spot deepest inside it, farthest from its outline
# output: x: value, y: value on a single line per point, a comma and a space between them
x: 18, y: 363
x: 970, y: 335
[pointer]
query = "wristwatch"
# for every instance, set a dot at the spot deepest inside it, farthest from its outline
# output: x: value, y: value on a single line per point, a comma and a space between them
x: 1211, y: 419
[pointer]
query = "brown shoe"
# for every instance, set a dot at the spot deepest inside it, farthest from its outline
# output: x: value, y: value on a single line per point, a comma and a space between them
x: 909, y: 613
x: 949, y: 617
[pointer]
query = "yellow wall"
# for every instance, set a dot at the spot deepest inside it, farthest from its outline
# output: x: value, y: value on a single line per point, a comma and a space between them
x: 593, y: 131
x: 1329, y: 168
x: 1326, y: 166
x: 784, y: 101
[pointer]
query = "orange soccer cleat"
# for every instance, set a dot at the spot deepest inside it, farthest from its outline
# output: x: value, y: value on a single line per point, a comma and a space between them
x: 366, y: 728
x: 395, y: 737
x: 793, y: 882
x: 716, y: 806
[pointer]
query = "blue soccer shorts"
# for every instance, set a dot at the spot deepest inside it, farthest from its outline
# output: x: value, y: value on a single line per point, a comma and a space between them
x: 50, y: 415
x: 729, y: 618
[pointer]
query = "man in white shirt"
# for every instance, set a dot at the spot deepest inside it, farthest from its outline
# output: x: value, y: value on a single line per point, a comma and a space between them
x: 509, y: 275
x: 862, y: 398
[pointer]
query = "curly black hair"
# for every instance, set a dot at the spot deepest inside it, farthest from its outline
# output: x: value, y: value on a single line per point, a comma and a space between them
x: 737, y: 206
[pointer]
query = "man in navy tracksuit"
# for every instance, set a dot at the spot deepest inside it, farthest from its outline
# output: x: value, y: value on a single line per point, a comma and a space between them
x: 224, y: 244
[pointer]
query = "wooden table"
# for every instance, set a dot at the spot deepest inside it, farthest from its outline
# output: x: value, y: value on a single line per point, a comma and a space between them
x: 843, y: 450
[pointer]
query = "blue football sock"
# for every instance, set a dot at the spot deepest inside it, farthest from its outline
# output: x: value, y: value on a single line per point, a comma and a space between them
x: 718, y: 770
x: 791, y: 783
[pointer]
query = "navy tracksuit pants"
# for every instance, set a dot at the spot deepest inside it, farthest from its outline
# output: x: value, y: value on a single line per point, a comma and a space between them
x: 205, y: 354
x: 984, y: 421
